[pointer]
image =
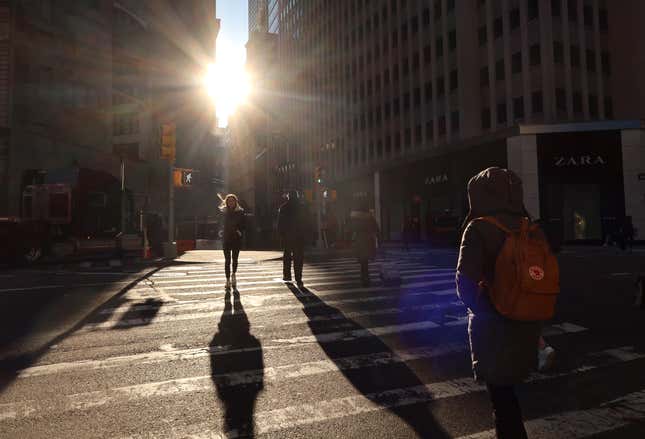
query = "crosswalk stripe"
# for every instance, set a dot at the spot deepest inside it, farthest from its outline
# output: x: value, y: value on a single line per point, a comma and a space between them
x: 206, y: 312
x: 321, y: 411
x: 196, y: 282
x: 424, y: 393
x: 280, y: 285
x: 191, y: 353
x: 578, y: 424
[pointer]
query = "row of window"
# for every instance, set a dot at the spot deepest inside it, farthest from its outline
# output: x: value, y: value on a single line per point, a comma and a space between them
x: 537, y: 107
x: 125, y: 123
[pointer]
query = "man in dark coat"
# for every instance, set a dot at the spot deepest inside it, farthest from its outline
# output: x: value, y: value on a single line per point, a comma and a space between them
x: 366, y: 231
x: 503, y: 351
x: 293, y: 228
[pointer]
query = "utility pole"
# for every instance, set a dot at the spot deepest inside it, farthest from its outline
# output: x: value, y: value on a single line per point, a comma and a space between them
x: 168, y: 152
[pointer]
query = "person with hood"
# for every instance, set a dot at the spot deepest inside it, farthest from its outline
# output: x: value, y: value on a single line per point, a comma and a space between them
x: 503, y: 351
x: 232, y: 235
x: 365, y: 230
x: 293, y: 228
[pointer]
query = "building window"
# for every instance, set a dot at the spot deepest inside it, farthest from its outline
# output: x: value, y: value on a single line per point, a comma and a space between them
x: 440, y: 86
x: 452, y: 40
x: 483, y: 76
x: 514, y: 18
x: 442, y: 125
x: 604, y: 20
x: 396, y: 108
x: 395, y: 73
x: 405, y: 67
x: 429, y: 130
x: 588, y: 15
x: 606, y: 65
x: 575, y: 56
x: 388, y: 110
x: 518, y: 108
x: 486, y: 122
x: 591, y: 60
x: 397, y: 141
x: 572, y: 7
x: 386, y: 76
x: 499, y: 70
x: 417, y: 97
x: 501, y: 113
x: 406, y: 102
x: 498, y: 27
x: 593, y: 106
x: 395, y: 39
x: 379, y: 149
x: 483, y: 35
x: 404, y: 33
x: 414, y: 25
x: 560, y: 99
x: 427, y: 55
x: 437, y: 11
x: 609, y: 108
x: 428, y: 92
x: 535, y: 55
x: 517, y: 62
x: 534, y: 11
x: 418, y: 134
x: 388, y: 145
x: 454, y: 80
x: 426, y: 17
x: 537, y: 103
x: 556, y: 8
x: 454, y: 121
x: 439, y: 47
x: 577, y: 102
x: 558, y: 52
x: 415, y: 61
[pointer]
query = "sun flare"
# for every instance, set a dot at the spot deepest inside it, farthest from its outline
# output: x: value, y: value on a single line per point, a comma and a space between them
x: 227, y: 83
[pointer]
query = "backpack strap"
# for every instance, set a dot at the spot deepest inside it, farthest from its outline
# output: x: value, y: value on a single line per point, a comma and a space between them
x: 494, y: 221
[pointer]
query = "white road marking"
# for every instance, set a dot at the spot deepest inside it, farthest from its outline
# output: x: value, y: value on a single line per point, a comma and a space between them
x: 322, y: 411
x: 70, y: 286
x: 578, y: 424
x: 331, y: 408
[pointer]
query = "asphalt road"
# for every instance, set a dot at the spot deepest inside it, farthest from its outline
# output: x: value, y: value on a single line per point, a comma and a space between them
x: 165, y: 352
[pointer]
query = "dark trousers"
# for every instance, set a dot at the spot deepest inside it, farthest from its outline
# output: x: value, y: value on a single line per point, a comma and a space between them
x: 295, y: 253
x: 230, y: 252
x: 365, y: 276
x: 507, y: 414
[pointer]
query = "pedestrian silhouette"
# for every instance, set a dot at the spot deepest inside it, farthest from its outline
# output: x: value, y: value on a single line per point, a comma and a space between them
x: 293, y: 228
x: 237, y: 367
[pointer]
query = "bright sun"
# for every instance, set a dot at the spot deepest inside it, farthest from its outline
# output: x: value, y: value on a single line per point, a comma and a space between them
x: 227, y: 82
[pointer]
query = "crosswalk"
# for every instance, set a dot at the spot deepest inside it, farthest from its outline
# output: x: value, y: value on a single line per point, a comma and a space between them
x: 177, y: 356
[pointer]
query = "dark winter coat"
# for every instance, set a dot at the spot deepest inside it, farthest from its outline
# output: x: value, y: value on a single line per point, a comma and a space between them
x: 233, y: 227
x: 503, y: 351
x: 294, y: 223
x: 365, y: 231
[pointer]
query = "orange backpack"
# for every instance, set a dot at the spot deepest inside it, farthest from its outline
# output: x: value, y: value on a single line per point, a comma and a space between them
x: 527, y: 277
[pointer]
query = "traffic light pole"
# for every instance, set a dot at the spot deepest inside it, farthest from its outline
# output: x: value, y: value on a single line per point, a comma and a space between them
x: 319, y: 204
x: 170, y: 249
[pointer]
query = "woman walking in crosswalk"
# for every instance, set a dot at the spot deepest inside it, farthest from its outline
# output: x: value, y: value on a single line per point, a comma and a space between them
x: 232, y: 236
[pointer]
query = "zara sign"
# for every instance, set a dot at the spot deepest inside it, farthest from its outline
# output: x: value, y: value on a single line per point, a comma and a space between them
x: 577, y: 161
x: 435, y: 179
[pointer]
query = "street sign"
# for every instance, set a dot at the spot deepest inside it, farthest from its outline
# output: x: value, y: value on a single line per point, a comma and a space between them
x: 168, y: 141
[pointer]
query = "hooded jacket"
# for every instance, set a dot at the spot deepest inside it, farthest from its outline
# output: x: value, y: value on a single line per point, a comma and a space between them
x: 504, y: 351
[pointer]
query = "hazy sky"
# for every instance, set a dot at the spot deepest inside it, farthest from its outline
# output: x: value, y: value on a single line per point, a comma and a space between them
x: 234, y: 31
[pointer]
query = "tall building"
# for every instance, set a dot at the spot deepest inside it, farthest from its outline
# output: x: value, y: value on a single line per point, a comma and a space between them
x: 401, y: 101
x: 264, y: 16
x: 85, y: 84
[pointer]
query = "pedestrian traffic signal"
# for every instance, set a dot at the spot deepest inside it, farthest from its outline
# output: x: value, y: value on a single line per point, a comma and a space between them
x: 168, y: 141
x: 183, y: 177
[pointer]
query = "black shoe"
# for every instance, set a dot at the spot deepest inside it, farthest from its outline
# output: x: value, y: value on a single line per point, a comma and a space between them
x: 300, y: 284
x: 286, y: 279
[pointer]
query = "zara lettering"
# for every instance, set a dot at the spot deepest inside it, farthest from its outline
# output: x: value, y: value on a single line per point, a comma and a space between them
x: 442, y: 178
x: 583, y: 160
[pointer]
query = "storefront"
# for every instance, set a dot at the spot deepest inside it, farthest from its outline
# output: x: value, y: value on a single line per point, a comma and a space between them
x: 581, y: 184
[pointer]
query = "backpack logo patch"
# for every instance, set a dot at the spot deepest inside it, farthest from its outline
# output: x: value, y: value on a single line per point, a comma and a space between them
x: 536, y: 273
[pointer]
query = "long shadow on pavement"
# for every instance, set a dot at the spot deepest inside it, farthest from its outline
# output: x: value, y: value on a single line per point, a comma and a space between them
x: 373, y: 380
x: 21, y: 326
x: 238, y: 375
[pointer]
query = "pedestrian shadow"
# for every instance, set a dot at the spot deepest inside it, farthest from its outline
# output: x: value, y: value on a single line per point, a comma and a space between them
x: 237, y: 367
x: 140, y: 314
x: 371, y: 380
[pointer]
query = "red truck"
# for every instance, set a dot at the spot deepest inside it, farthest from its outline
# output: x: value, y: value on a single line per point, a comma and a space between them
x: 74, y: 211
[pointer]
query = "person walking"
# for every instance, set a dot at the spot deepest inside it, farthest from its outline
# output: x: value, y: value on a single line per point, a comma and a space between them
x: 365, y: 230
x: 232, y: 236
x: 503, y: 350
x: 293, y: 228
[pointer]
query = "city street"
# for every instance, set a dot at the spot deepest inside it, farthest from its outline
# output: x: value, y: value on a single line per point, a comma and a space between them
x: 164, y: 351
